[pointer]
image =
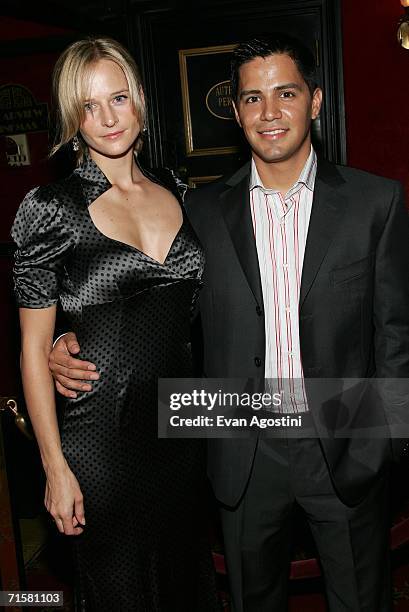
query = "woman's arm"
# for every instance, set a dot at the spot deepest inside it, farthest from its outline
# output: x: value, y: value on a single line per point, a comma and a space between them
x: 63, y: 497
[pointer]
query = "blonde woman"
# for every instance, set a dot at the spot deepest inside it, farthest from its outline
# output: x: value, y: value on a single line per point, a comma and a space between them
x: 113, y: 246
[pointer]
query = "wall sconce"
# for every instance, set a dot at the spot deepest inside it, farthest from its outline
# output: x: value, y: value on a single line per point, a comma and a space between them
x: 403, y: 30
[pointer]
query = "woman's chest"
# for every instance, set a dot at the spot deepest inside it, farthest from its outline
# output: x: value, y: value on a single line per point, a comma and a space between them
x: 102, y: 268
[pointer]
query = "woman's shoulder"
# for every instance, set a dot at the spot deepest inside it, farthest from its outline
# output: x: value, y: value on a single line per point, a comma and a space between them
x: 49, y: 193
x: 44, y: 208
x: 50, y: 198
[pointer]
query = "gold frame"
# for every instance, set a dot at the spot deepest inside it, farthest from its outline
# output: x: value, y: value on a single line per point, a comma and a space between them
x: 194, y: 181
x: 183, y: 54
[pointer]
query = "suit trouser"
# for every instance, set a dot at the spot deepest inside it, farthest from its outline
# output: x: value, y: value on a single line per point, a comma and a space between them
x: 352, y: 542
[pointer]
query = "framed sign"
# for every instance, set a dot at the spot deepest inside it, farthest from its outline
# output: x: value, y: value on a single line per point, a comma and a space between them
x: 20, y: 112
x: 206, y: 93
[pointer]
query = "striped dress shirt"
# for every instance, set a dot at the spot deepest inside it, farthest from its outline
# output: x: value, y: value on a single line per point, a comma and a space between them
x: 280, y: 226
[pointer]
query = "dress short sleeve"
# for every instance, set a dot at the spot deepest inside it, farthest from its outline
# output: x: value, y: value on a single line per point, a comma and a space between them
x: 44, y: 241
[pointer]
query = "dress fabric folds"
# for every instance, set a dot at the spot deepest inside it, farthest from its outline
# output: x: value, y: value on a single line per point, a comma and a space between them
x: 145, y: 544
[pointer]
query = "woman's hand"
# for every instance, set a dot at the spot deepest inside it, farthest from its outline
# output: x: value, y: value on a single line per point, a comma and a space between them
x: 63, y: 500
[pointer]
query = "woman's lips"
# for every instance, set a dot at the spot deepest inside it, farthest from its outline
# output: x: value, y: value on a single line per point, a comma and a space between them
x: 113, y: 135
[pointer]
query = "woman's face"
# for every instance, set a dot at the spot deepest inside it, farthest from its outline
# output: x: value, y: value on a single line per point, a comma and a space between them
x: 110, y: 127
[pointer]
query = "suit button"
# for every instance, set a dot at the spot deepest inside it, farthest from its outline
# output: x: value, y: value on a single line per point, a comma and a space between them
x: 259, y: 310
x: 257, y: 361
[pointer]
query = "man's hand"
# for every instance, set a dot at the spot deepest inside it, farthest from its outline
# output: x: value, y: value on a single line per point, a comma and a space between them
x: 68, y: 372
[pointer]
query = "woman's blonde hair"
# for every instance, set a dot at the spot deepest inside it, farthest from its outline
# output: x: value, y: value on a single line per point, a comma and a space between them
x: 71, y: 83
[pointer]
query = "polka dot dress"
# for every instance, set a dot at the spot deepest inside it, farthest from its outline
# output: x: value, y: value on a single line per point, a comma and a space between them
x: 145, y: 545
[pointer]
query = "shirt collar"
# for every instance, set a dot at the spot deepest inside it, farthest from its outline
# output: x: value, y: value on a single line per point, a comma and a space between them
x: 93, y: 181
x: 307, y: 176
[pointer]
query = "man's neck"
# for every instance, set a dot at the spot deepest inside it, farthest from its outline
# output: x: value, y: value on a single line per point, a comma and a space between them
x: 280, y: 176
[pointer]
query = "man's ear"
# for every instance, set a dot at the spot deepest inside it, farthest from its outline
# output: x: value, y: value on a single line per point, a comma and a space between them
x: 236, y: 114
x: 316, y: 103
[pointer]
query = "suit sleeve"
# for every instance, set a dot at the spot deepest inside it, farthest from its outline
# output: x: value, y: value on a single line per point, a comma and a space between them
x: 391, y: 322
x: 391, y: 293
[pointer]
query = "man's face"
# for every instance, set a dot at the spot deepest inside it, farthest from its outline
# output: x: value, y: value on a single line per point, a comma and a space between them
x: 275, y: 108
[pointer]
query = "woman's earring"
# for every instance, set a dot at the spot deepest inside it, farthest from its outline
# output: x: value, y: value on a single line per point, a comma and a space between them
x: 75, y: 143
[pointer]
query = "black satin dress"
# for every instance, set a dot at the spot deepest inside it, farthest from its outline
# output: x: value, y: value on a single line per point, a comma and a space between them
x: 145, y: 545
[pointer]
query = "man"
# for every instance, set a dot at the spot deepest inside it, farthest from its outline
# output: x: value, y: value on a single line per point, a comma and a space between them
x: 307, y: 275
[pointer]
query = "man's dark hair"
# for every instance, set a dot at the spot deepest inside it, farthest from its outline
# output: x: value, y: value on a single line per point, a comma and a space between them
x: 269, y: 44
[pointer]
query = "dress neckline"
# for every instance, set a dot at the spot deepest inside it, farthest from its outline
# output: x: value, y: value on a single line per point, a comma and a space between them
x: 134, y: 248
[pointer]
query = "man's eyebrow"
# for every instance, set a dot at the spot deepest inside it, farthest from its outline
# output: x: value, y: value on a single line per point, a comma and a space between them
x: 247, y: 92
x: 288, y: 86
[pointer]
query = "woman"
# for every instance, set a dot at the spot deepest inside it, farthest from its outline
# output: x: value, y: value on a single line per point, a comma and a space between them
x: 114, y: 247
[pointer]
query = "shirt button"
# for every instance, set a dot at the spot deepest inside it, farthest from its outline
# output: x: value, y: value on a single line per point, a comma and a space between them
x: 288, y: 309
x: 290, y: 353
x: 285, y: 266
x: 257, y: 361
x: 259, y: 310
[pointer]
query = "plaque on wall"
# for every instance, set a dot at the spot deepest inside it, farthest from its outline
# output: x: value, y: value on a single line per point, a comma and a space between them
x: 20, y: 112
x: 209, y: 122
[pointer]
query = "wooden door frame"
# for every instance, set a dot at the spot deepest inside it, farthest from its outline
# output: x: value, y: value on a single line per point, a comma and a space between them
x: 11, y: 559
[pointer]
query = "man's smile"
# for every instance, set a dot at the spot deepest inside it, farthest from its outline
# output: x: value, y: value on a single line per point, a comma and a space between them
x: 273, y: 133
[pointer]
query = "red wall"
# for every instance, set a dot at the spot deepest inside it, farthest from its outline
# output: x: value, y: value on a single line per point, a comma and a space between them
x: 15, y: 29
x: 376, y: 76
x: 32, y: 70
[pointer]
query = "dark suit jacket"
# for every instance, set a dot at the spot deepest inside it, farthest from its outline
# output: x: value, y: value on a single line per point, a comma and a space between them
x: 354, y: 305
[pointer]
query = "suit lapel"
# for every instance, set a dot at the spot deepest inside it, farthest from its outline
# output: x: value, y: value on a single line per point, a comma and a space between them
x: 235, y: 204
x: 327, y: 210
